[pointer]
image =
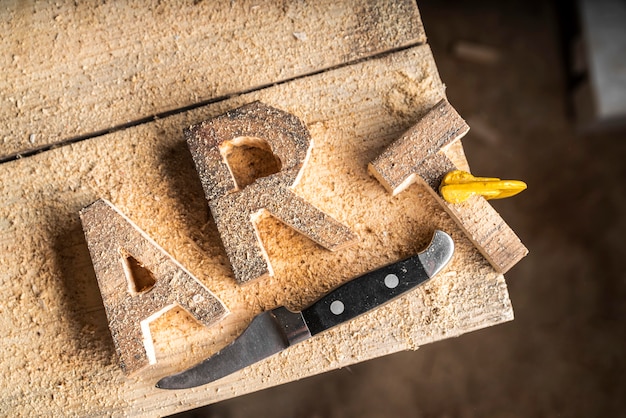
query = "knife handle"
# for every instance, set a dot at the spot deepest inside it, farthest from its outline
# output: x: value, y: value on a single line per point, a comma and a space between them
x: 364, y: 293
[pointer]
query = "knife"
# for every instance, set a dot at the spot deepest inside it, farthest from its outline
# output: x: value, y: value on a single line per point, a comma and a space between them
x: 273, y: 331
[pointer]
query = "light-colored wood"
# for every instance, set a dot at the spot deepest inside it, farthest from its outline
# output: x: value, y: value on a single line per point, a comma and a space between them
x: 420, y: 155
x: 397, y: 167
x: 70, y: 68
x: 56, y: 354
x: 237, y: 210
x: 456, y: 153
x: 496, y: 241
x: 138, y: 283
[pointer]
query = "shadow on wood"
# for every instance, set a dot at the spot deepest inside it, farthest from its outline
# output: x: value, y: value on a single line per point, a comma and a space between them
x: 184, y: 187
x: 82, y: 301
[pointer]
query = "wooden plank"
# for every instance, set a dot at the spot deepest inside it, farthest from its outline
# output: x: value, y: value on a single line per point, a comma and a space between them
x: 56, y: 354
x: 70, y: 69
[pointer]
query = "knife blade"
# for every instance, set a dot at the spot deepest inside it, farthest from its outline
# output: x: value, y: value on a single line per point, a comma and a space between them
x: 273, y: 331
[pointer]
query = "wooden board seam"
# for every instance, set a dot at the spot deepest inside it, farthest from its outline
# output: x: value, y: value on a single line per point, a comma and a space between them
x: 172, y: 112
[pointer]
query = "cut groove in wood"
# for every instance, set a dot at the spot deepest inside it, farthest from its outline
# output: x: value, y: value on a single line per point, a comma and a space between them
x: 249, y: 159
x: 139, y: 282
x: 140, y: 279
x: 420, y: 154
x: 237, y: 210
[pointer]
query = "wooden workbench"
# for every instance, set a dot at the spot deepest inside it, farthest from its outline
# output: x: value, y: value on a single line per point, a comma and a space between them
x: 357, y: 74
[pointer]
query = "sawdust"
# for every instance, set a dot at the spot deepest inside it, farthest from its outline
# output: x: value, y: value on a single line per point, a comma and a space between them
x: 148, y: 174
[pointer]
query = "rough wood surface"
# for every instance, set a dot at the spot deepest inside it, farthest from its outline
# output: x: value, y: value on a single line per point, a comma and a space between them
x: 138, y: 283
x: 70, y: 69
x: 397, y: 167
x: 420, y: 155
x: 497, y: 242
x: 57, y: 357
x: 237, y: 209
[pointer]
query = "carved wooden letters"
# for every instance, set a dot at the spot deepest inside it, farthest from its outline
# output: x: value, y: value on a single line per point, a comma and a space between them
x: 139, y: 282
x: 236, y: 208
x: 420, y: 154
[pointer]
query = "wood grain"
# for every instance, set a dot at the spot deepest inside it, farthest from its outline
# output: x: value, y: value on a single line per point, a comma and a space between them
x: 71, y: 69
x: 237, y: 209
x: 397, y: 167
x: 420, y: 154
x: 496, y: 241
x: 56, y: 354
x: 139, y: 282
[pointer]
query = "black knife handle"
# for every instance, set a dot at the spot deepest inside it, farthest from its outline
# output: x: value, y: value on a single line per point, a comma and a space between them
x: 364, y: 293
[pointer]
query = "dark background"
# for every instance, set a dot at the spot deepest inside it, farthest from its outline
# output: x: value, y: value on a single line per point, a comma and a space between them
x: 564, y: 353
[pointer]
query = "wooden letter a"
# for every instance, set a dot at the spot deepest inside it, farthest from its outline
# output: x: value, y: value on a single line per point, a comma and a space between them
x: 236, y: 206
x: 139, y: 282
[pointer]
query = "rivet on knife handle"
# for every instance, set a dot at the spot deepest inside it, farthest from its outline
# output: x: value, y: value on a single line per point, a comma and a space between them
x: 272, y: 331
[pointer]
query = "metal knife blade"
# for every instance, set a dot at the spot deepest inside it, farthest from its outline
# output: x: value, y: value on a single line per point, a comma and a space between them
x: 273, y: 331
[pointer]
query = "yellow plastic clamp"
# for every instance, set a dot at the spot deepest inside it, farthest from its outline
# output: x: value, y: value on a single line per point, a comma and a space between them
x: 457, y: 186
